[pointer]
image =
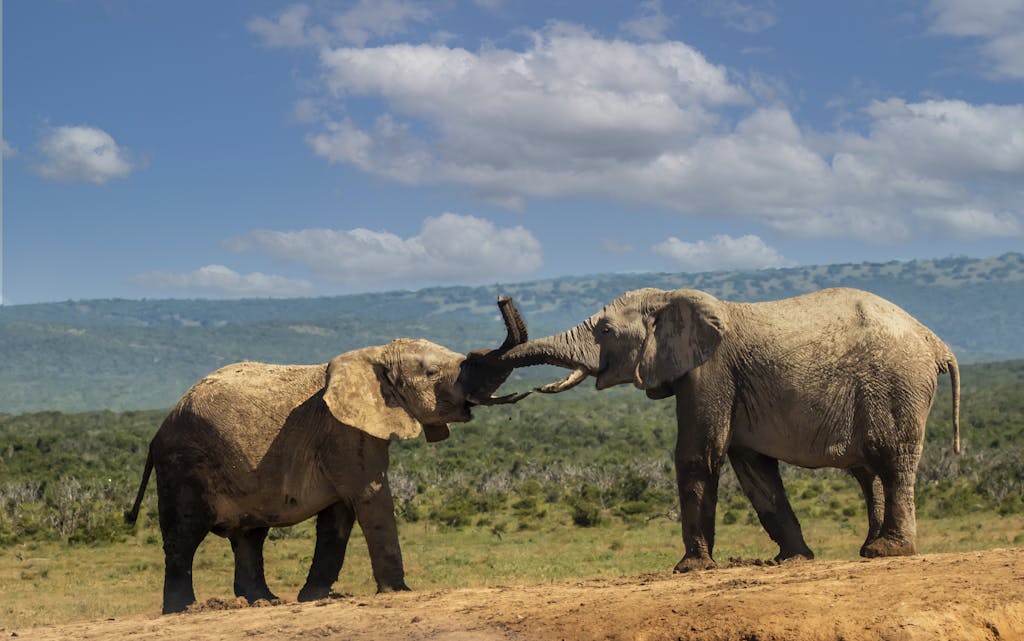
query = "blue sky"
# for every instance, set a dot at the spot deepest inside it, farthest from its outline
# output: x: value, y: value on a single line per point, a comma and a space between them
x: 244, y: 148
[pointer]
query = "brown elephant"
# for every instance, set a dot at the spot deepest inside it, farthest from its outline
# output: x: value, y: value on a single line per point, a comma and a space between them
x: 837, y: 378
x: 253, y: 446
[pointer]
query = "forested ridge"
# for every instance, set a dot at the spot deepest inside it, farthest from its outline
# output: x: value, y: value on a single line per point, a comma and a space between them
x: 139, y: 354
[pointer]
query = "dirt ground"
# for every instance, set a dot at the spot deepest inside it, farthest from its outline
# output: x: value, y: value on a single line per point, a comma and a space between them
x: 966, y: 596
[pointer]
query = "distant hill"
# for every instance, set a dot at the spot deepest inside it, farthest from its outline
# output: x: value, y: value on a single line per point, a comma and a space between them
x: 135, y: 354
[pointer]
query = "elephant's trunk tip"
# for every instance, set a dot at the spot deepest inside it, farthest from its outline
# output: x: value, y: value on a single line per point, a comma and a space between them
x: 574, y: 378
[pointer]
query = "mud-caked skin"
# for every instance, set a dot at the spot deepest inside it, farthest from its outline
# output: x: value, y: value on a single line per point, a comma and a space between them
x: 836, y: 378
x: 254, y: 446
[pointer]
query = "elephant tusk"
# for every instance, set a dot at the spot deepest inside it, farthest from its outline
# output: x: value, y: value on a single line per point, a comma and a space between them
x: 499, y: 400
x: 569, y: 382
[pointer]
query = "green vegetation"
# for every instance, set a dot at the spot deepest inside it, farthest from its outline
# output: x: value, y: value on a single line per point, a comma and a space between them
x: 122, y: 354
x: 588, y: 459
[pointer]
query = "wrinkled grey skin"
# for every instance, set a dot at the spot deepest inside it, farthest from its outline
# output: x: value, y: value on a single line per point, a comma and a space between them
x: 836, y: 378
x: 254, y: 446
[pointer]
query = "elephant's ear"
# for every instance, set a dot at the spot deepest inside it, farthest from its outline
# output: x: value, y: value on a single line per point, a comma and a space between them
x: 361, y: 392
x: 679, y: 337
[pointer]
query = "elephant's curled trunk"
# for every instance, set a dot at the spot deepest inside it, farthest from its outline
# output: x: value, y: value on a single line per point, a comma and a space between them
x: 481, y: 374
x: 574, y: 349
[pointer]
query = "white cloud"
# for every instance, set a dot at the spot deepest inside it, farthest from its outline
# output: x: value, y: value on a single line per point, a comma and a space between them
x: 998, y: 24
x: 8, y: 150
x: 222, y: 282
x: 651, y: 24
x: 548, y: 120
x: 362, y: 22
x: 288, y: 29
x: 378, y: 18
x: 572, y: 114
x: 82, y: 154
x: 449, y: 249
x: 721, y: 252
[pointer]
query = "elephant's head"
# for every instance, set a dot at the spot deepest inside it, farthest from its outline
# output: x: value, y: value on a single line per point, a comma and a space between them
x: 648, y: 337
x: 409, y: 385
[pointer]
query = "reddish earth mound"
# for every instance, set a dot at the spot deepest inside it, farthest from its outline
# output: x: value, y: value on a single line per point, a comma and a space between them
x: 975, y: 595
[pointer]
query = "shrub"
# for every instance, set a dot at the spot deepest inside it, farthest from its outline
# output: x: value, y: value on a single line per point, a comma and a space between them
x: 586, y: 514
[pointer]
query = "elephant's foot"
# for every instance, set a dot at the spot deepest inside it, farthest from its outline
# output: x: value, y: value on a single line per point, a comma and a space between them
x: 397, y: 587
x: 255, y: 593
x: 314, y: 592
x: 796, y: 554
x: 691, y: 564
x: 177, y: 603
x: 887, y: 546
x: 266, y: 595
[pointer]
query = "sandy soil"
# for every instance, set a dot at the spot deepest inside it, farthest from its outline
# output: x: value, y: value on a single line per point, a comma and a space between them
x: 976, y: 595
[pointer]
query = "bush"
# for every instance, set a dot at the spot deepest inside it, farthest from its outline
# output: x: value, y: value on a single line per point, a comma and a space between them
x: 586, y: 514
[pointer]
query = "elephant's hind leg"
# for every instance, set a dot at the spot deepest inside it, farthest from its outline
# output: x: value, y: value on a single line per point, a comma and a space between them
x: 898, y: 532
x: 250, y: 580
x: 185, y: 520
x: 874, y: 497
x: 333, y: 528
x: 761, y: 482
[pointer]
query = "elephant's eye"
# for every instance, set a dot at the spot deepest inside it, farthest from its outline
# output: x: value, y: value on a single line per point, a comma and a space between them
x: 432, y: 372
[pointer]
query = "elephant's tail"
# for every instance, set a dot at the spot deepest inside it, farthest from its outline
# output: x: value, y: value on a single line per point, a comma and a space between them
x: 133, y: 514
x: 949, y: 364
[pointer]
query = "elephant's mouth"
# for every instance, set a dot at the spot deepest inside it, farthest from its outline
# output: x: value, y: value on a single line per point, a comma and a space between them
x: 435, y: 433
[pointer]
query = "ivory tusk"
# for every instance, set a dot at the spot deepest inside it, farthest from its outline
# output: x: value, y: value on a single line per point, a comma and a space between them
x: 500, y: 400
x: 569, y: 382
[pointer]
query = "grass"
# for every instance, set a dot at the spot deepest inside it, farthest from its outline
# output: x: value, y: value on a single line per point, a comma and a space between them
x: 49, y: 583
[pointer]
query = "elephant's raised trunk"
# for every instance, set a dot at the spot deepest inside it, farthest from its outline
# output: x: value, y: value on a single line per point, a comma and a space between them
x: 482, y: 374
x: 574, y: 349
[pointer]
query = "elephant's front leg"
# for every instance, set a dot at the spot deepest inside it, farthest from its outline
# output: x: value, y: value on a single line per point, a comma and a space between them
x: 333, y: 528
x: 761, y: 482
x: 376, y: 515
x: 700, y: 447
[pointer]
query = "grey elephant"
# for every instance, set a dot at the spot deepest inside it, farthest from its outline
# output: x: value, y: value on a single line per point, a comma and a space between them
x: 836, y: 378
x: 253, y: 446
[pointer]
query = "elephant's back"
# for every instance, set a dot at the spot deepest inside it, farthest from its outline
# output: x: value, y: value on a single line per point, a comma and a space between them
x: 842, y: 311
x: 243, y: 407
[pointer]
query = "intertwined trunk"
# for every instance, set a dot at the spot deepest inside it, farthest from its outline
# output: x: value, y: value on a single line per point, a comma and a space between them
x: 574, y: 349
x: 482, y: 373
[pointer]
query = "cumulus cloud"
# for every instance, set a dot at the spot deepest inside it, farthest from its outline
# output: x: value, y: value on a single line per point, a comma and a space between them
x: 449, y: 248
x: 223, y: 282
x: 82, y: 154
x: 551, y: 120
x: 8, y: 150
x: 721, y: 252
x: 997, y: 24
